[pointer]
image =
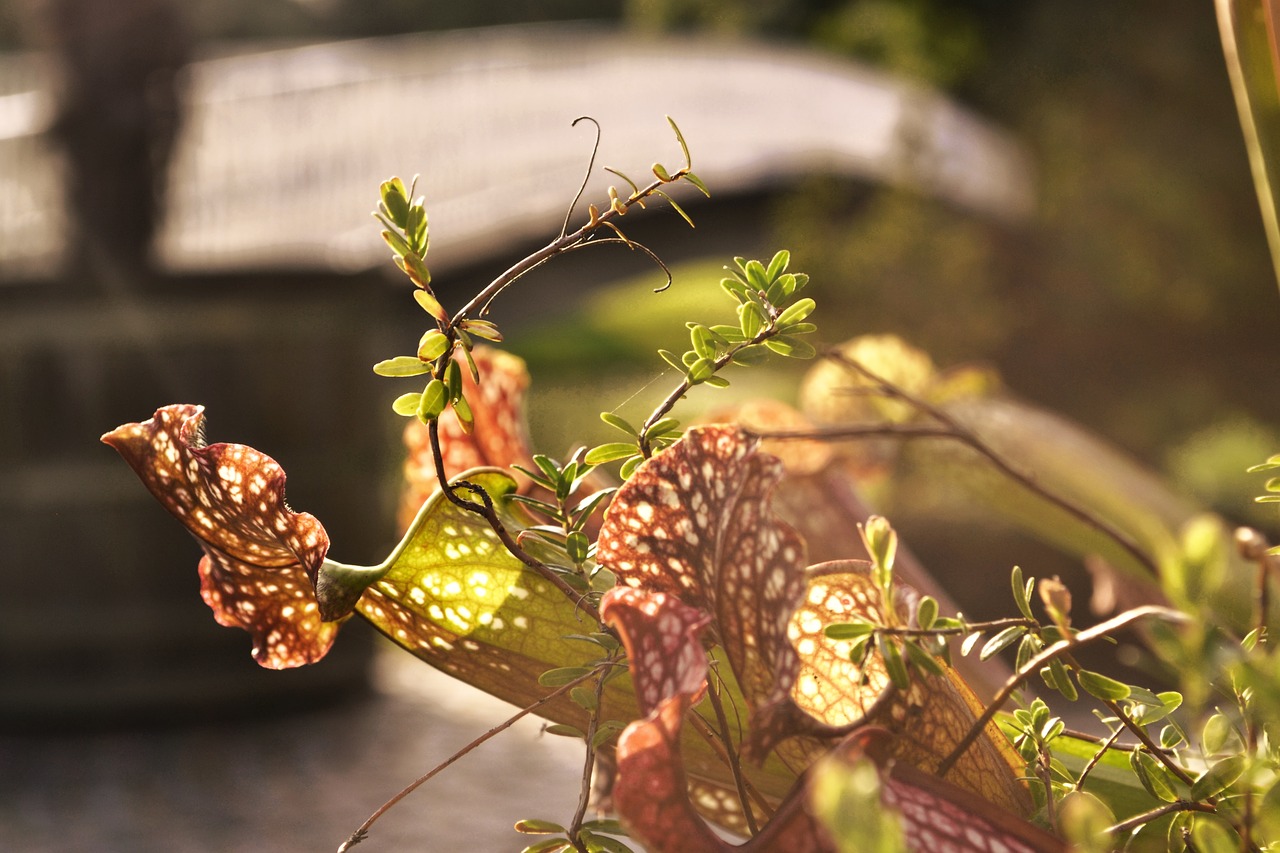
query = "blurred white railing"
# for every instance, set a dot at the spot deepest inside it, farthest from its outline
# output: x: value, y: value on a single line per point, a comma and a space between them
x: 282, y: 151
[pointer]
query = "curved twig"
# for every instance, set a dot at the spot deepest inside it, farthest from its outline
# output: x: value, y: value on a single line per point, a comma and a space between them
x: 591, y: 165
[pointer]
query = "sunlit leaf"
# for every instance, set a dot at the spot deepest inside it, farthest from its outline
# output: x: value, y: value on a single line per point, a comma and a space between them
x: 260, y: 556
x: 926, y: 720
x: 694, y: 521
x: 651, y: 789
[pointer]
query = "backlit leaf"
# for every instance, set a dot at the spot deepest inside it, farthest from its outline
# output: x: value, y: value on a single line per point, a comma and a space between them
x: 260, y: 556
x: 694, y: 521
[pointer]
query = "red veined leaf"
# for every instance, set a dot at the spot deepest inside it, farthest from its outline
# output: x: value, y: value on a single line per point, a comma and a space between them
x: 661, y: 637
x: 926, y: 720
x: 500, y: 437
x: 651, y: 789
x: 694, y: 521
x: 940, y: 817
x: 261, y: 558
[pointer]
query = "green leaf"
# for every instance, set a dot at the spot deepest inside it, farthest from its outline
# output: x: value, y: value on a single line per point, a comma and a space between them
x: 922, y: 659
x: 629, y: 467
x: 462, y: 409
x: 602, y: 843
x: 395, y: 200
x: 697, y: 182
x: 406, y: 405
x: 401, y: 365
x: 684, y: 146
x: 577, y: 546
x: 778, y: 264
x: 1271, y: 464
x: 1001, y: 641
x: 605, y: 731
x: 432, y: 345
x: 671, y: 358
x: 534, y: 826
x: 663, y: 426
x: 551, y: 845
x: 750, y: 319
x: 413, y: 266
x: 1022, y: 591
x: 1218, y: 735
x: 967, y: 644
x: 1212, y: 835
x: 848, y: 630
x: 562, y: 675
x: 607, y: 825
x: 926, y: 612
x: 431, y: 305
x: 750, y: 355
x: 610, y: 452
x: 584, y: 697
x: 1218, y: 777
x: 797, y: 312
x: 434, y: 398
x: 791, y: 347
x: 565, y: 730
x: 717, y: 382
x: 700, y: 337
x: 619, y: 422
x: 453, y: 380
x: 1153, y: 775
x: 893, y: 664
x: 700, y: 371
x: 482, y: 329
x: 1102, y: 687
x: 397, y: 243
x: 1062, y: 680
x: 660, y: 172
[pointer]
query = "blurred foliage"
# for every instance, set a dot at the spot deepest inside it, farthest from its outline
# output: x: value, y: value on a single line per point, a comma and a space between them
x: 923, y: 39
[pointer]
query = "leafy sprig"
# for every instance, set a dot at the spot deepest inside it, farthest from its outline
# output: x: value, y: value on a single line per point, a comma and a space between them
x: 771, y: 317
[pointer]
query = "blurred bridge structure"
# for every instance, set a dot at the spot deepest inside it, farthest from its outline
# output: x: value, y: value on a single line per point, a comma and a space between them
x: 282, y: 149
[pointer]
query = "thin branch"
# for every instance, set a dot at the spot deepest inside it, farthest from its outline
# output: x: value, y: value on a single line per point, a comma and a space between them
x: 1105, y: 745
x: 486, y: 511
x: 975, y: 442
x: 555, y: 247
x: 584, y: 793
x: 1157, y: 813
x: 591, y: 165
x: 634, y: 246
x: 363, y: 831
x: 1032, y: 666
x: 735, y: 766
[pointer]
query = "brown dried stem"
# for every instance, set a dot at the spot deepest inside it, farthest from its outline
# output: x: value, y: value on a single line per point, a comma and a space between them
x: 363, y: 831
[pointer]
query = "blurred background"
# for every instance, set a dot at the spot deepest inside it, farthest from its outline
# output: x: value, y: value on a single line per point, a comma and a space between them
x: 1056, y: 190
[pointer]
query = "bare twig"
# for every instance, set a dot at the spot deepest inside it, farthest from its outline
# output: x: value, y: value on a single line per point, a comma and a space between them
x: 1157, y: 813
x: 591, y: 165
x: 735, y: 766
x: 1106, y: 745
x: 584, y: 794
x: 955, y: 430
x: 363, y: 831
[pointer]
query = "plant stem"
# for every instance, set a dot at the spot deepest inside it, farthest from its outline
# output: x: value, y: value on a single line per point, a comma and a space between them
x: 956, y: 430
x: 363, y: 831
x: 488, y: 513
x: 1157, y: 813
